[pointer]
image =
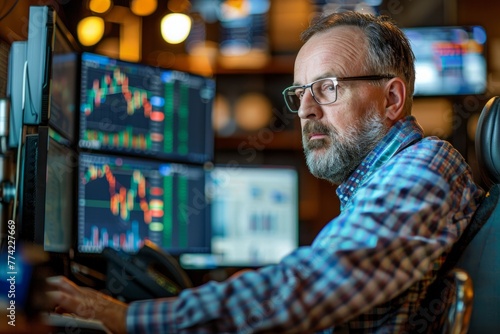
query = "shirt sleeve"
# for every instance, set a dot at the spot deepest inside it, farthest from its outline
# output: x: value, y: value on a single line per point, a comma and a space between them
x: 385, y: 240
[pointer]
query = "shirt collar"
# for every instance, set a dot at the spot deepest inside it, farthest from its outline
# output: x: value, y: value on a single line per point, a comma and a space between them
x: 405, y: 132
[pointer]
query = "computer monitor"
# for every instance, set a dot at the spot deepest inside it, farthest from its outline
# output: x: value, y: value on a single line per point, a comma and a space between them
x: 255, y: 216
x: 63, y: 105
x: 46, y: 191
x: 136, y: 109
x: 64, y: 84
x: 450, y: 60
x: 124, y: 201
x: 41, y: 30
x: 51, y: 78
x: 62, y: 162
x: 15, y: 91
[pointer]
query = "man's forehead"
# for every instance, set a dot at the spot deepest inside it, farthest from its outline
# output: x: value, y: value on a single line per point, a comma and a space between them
x: 336, y: 52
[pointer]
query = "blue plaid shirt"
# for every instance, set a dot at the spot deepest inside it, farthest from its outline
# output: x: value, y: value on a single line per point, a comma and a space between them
x: 366, y: 271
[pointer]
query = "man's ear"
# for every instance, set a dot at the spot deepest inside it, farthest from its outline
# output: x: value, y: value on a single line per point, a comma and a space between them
x: 395, y: 92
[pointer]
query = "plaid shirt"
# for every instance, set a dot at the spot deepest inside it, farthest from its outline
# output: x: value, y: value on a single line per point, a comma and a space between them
x: 366, y: 271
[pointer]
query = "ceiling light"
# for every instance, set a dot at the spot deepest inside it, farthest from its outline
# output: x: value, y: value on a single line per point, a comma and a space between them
x: 100, y: 6
x: 175, y: 27
x: 143, y: 7
x: 90, y: 30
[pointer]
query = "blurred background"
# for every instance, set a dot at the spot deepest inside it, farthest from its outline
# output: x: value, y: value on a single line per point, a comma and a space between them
x: 249, y: 47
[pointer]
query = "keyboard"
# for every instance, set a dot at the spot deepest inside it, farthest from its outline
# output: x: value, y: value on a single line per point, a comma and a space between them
x: 75, y: 323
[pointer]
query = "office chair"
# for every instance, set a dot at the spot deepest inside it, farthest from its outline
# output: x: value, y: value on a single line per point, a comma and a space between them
x: 480, y: 257
x: 475, y: 257
x: 457, y: 312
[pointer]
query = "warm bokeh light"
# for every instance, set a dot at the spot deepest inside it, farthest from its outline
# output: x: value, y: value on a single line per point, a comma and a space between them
x: 110, y: 47
x: 221, y: 116
x: 143, y: 7
x: 100, y: 6
x: 435, y: 115
x: 253, y: 111
x: 253, y: 59
x: 234, y: 9
x: 179, y: 6
x: 90, y: 30
x: 175, y: 27
x: 472, y: 126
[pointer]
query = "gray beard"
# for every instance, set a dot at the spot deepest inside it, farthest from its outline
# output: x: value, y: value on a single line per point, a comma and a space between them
x: 335, y: 158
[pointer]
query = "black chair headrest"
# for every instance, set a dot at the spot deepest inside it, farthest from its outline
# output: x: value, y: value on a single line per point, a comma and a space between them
x: 488, y: 142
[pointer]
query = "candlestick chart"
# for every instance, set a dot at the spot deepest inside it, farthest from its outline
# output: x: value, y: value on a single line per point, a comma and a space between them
x: 119, y: 112
x: 124, y: 201
x: 144, y: 110
x: 120, y: 202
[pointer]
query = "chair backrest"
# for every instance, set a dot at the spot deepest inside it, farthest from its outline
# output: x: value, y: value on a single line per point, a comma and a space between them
x: 488, y: 142
x: 481, y: 257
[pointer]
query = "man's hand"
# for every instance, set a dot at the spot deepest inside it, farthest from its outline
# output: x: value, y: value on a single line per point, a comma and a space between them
x: 66, y: 297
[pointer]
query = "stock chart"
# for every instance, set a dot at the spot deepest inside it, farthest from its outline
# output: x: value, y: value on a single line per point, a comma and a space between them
x: 124, y: 201
x: 140, y: 109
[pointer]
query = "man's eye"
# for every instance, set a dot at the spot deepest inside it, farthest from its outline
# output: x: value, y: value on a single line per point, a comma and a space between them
x: 327, y: 87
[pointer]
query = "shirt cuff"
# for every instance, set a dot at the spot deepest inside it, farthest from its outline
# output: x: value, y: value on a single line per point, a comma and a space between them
x: 150, y: 316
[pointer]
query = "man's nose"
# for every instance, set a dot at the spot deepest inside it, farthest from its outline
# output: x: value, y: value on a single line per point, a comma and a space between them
x: 309, y: 108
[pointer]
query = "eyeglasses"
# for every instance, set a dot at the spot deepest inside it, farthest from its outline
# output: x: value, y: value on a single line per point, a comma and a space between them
x: 324, y: 91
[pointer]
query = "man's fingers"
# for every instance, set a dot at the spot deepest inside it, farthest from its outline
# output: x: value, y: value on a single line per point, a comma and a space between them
x: 61, y: 283
x: 60, y: 302
x: 66, y: 296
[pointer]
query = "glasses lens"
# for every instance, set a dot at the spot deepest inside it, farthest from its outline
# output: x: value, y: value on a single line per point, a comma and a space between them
x: 324, y: 91
x: 292, y: 99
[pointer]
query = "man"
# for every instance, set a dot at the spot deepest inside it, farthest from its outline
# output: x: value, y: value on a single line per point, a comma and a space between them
x: 405, y: 200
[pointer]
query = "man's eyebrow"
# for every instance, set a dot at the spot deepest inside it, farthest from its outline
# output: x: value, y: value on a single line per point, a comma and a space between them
x: 323, y: 76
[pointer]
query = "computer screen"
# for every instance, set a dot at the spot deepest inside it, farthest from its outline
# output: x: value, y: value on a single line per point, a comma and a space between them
x: 64, y: 83
x: 131, y: 108
x: 255, y: 216
x: 449, y: 60
x: 63, y: 103
x: 124, y: 201
x: 46, y: 191
x: 62, y: 162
